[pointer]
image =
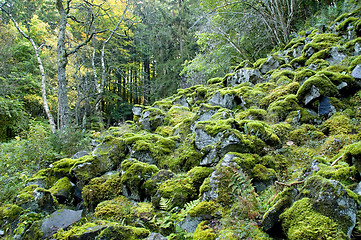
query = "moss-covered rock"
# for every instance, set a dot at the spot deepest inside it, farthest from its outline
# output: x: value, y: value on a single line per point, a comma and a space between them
x: 133, y: 178
x: 301, y: 221
x: 305, y: 133
x: 277, y: 111
x: 100, y: 189
x: 9, y: 213
x: 118, y: 231
x: 278, y: 92
x: 116, y: 209
x: 63, y: 190
x: 339, y: 123
x: 204, y: 232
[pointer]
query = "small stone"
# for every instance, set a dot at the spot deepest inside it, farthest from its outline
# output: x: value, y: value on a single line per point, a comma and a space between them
x: 356, y: 72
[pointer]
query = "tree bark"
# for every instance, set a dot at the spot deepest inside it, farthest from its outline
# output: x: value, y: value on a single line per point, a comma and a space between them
x: 62, y: 62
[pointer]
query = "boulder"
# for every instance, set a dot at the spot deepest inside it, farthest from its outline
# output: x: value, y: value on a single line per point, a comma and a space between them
x: 60, y: 219
x: 63, y: 190
x: 189, y: 224
x: 152, y: 118
x: 312, y: 95
x: 226, y: 101
x: 270, y: 64
x: 245, y: 75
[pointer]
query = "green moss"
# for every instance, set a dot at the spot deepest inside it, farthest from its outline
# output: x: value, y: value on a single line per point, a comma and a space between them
x: 323, y: 54
x: 252, y: 114
x: 305, y: 133
x: 304, y: 74
x: 278, y: 110
x: 295, y: 42
x: 337, y: 78
x: 185, y: 156
x: 302, y: 222
x: 282, y: 73
x: 261, y: 130
x: 26, y: 195
x: 215, y: 80
x: 101, y: 189
x: 343, y: 174
x: 204, y: 208
x: 297, y: 62
x: 204, y: 232
x: 119, y: 231
x: 279, y: 92
x: 322, y: 82
x: 354, y: 63
x: 198, y: 174
x: 75, y: 232
x: 214, y: 127
x: 344, y: 24
x: 134, y: 176
x: 260, y: 62
x: 10, y: 212
x: 282, y: 130
x: 62, y: 187
x: 180, y: 190
x: 115, y: 209
x: 339, y: 123
x: 143, y: 211
x: 261, y: 173
x: 177, y: 114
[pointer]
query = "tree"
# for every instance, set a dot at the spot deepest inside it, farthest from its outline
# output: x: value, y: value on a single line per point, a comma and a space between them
x: 40, y: 65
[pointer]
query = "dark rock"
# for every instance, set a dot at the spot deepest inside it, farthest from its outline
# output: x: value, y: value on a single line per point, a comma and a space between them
x: 156, y: 236
x: 151, y: 119
x: 79, y: 154
x: 60, y: 219
x: 356, y: 72
x: 203, y: 139
x: 324, y: 106
x: 143, y: 156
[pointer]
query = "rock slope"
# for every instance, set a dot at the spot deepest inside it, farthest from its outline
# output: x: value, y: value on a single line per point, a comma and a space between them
x: 272, y: 150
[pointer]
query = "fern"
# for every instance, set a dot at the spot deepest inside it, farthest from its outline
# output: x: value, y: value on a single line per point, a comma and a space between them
x: 165, y: 203
x: 190, y: 205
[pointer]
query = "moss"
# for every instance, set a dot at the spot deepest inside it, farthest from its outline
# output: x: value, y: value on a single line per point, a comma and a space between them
x: 345, y: 23
x: 101, y: 189
x: 323, y: 54
x: 322, y: 41
x: 198, y: 174
x: 261, y: 173
x: 75, y: 232
x: 63, y: 187
x: 305, y: 133
x: 214, y: 127
x: 279, y: 92
x: 135, y: 174
x: 282, y: 73
x: 204, y: 232
x: 295, y: 42
x: 204, y: 208
x: 10, y: 212
x: 177, y: 114
x: 339, y: 123
x: 354, y: 63
x: 302, y: 222
x: 343, y: 174
x: 143, y: 211
x: 185, y: 156
x: 282, y: 130
x: 304, y: 74
x: 26, y: 195
x: 278, y: 110
x: 119, y: 231
x: 259, y: 62
x: 261, y: 130
x: 322, y: 82
x: 180, y: 190
x: 298, y: 62
x: 215, y: 80
x: 350, y: 45
x: 252, y: 114
x: 116, y: 209
x: 159, y: 107
x: 337, y: 78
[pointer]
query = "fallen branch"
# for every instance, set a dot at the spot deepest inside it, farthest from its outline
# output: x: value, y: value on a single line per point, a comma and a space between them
x: 338, y: 159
